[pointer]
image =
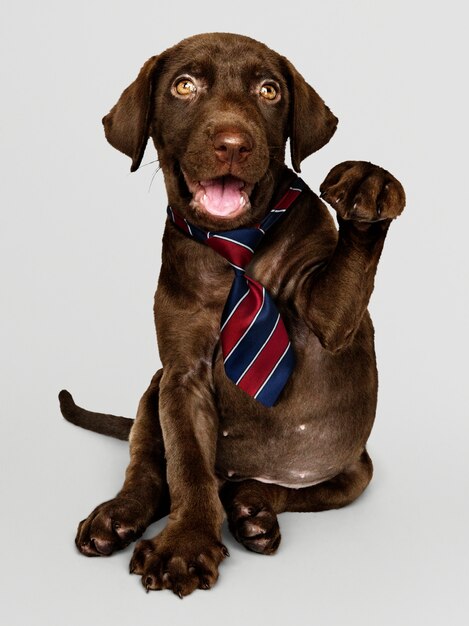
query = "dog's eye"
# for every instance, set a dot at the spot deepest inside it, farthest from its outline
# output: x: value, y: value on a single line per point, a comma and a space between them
x: 268, y: 91
x: 185, y: 87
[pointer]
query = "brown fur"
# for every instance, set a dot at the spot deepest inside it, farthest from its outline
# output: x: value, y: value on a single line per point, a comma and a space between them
x: 195, y: 431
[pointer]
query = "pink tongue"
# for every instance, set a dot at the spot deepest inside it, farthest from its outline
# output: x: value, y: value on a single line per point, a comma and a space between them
x: 222, y: 195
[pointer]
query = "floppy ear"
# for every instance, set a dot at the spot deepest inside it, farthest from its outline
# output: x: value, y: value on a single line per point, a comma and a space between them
x: 311, y: 122
x: 127, y: 125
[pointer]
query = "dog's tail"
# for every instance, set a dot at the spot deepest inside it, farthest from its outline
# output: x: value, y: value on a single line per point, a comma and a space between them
x: 110, y: 425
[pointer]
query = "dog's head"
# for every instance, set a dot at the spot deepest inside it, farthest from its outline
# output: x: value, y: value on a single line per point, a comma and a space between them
x: 220, y: 108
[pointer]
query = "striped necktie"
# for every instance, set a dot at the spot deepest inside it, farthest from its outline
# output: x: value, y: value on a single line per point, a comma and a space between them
x: 257, y: 353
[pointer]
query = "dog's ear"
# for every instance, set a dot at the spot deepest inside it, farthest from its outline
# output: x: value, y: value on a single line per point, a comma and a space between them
x: 127, y: 125
x: 311, y: 122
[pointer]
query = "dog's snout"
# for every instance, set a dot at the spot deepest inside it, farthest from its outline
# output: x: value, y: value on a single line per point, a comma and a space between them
x: 232, y: 147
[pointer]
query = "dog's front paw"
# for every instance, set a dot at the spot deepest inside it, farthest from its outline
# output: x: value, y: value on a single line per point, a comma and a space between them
x: 178, y: 559
x: 363, y: 192
x: 111, y: 526
x: 254, y: 525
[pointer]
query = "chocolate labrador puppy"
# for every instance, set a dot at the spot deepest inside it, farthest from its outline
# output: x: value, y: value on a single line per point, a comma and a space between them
x: 220, y: 108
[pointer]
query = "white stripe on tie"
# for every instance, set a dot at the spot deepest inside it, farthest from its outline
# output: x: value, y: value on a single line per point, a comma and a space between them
x: 248, y: 328
x: 238, y: 243
x: 242, y: 269
x: 261, y: 348
x: 275, y: 367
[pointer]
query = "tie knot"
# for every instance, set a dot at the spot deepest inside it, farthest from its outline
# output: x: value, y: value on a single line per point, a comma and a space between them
x: 236, y: 246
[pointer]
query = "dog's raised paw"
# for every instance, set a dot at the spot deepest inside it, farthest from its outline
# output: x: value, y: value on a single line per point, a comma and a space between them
x: 363, y: 192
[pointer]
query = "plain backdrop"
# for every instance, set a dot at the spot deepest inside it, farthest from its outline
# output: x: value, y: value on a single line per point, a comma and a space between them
x: 80, y: 246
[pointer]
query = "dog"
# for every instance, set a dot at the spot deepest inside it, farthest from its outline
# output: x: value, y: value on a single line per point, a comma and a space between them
x: 220, y: 108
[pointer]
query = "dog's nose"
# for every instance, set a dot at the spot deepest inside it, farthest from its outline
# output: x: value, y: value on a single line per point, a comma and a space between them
x: 232, y: 147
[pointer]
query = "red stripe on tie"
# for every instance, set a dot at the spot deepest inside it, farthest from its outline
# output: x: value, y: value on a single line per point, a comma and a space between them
x: 265, y: 361
x: 288, y: 199
x: 233, y: 252
x: 241, y: 319
x: 181, y: 223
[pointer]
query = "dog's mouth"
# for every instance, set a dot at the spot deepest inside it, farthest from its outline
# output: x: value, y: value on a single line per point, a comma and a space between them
x: 223, y: 196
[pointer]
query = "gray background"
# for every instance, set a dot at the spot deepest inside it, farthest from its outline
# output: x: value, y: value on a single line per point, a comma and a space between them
x: 80, y: 246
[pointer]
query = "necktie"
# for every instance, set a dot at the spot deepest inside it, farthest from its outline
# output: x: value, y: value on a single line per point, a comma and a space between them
x: 257, y: 353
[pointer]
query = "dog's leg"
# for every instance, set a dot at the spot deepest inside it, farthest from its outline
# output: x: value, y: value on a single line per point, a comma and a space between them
x: 252, y: 506
x: 143, y: 497
x: 186, y: 554
x: 333, y: 300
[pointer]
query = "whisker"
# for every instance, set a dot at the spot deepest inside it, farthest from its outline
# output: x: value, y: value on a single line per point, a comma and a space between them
x: 153, y: 177
x: 149, y: 163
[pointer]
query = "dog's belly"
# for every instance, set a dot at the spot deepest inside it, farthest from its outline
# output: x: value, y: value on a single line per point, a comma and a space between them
x: 271, y: 464
x: 319, y: 426
x: 297, y: 455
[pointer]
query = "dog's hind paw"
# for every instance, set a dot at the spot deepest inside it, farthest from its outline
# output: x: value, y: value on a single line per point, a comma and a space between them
x: 111, y: 527
x: 255, y: 526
